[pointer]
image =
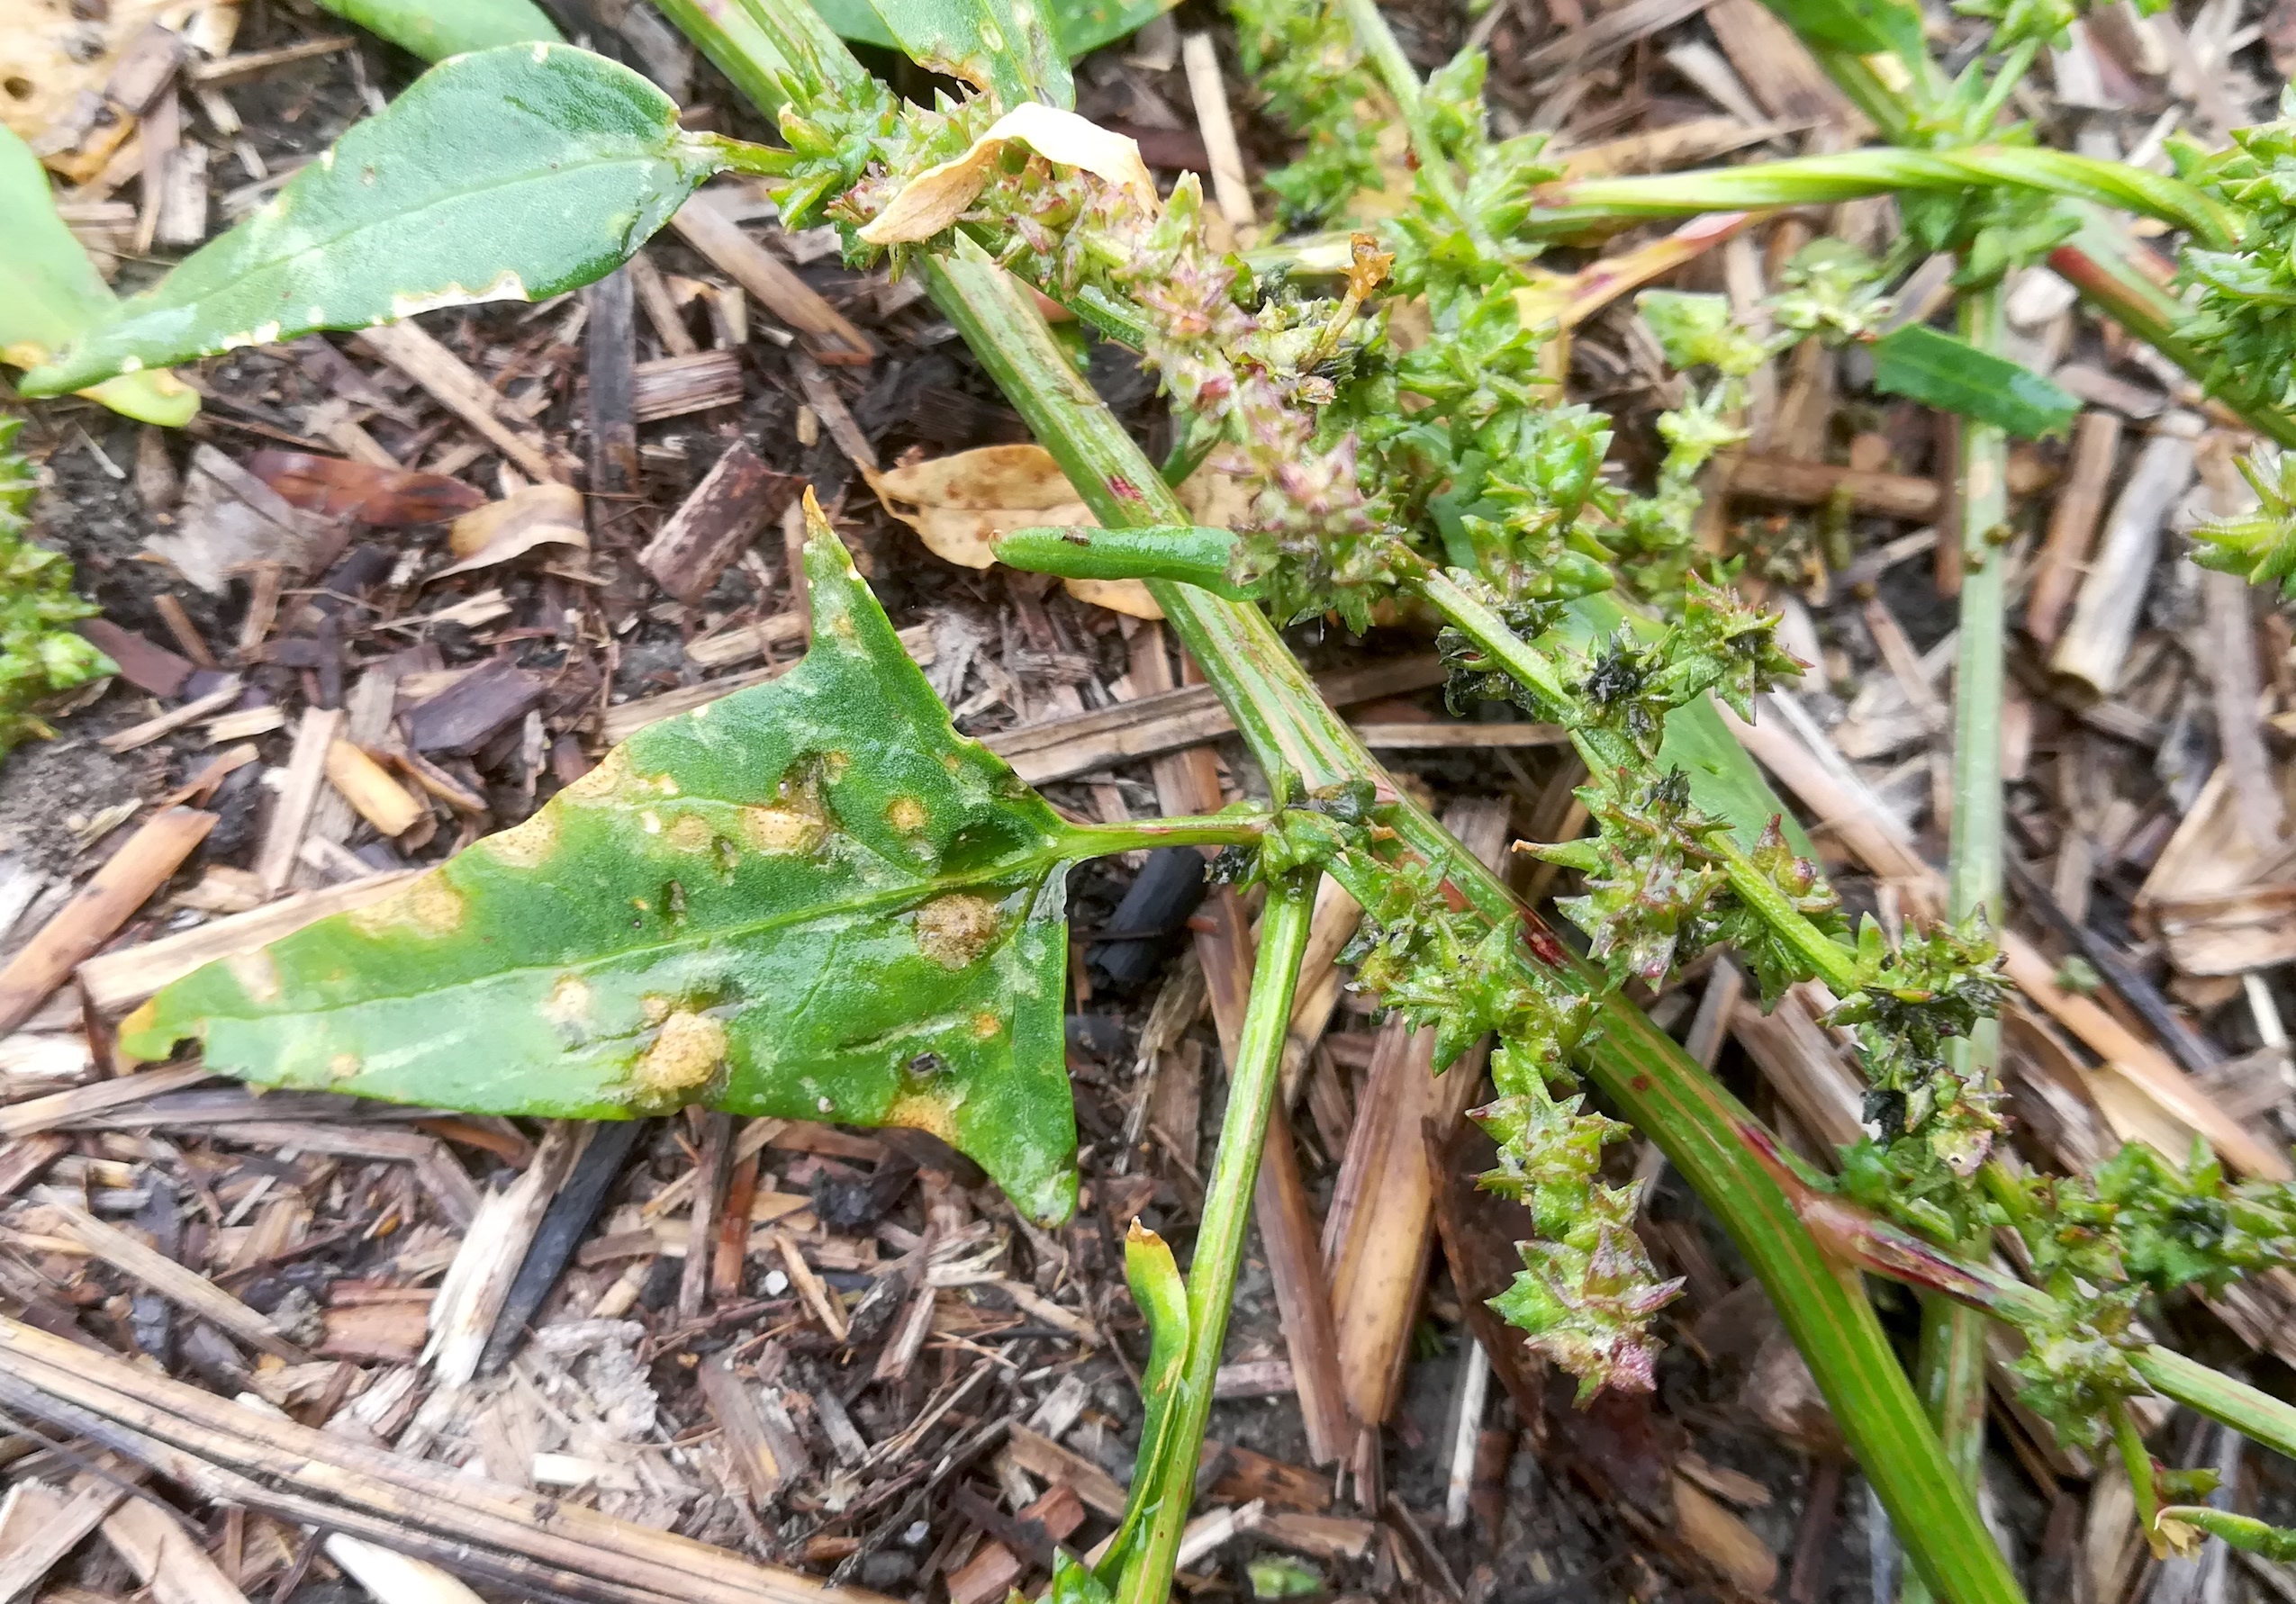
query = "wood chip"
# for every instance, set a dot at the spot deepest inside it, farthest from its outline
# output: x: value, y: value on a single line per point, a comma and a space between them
x: 451, y: 381
x: 185, y: 1287
x: 713, y: 525
x: 1048, y: 1462
x: 98, y: 909
x: 19, y: 1119
x: 274, y: 859
x: 174, y: 719
x: 673, y: 386
x: 476, y: 707
x: 533, y: 1542
x: 704, y: 226
x: 149, y: 668
x: 381, y: 800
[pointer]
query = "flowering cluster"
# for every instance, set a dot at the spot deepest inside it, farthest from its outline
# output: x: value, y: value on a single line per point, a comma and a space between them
x: 2103, y: 1245
x: 2243, y: 300
x: 1587, y: 1290
x: 39, y: 656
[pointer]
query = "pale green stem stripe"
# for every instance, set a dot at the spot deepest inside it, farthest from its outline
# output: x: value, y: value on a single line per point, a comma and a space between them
x: 1252, y: 1079
x: 1950, y: 1373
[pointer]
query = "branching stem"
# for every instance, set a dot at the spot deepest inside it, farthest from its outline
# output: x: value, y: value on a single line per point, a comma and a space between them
x: 1705, y: 1132
x: 1608, y: 752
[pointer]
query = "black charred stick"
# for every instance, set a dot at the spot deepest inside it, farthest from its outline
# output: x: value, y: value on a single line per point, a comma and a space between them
x: 564, y: 1223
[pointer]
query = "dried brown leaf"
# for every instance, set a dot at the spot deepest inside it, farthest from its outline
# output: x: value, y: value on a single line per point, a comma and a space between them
x: 539, y: 515
x: 936, y: 197
x: 338, y: 487
x: 958, y: 505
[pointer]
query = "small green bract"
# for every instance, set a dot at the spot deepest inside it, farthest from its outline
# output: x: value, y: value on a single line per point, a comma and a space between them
x: 39, y: 655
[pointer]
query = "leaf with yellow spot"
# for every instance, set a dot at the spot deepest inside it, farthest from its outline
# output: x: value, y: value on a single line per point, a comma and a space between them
x: 812, y: 899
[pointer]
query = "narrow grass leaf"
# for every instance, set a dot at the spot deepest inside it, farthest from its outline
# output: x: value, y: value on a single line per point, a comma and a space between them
x: 1943, y: 371
x: 435, y: 30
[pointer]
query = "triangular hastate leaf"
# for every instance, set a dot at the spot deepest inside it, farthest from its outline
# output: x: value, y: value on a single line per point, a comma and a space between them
x: 504, y: 174
x: 812, y: 899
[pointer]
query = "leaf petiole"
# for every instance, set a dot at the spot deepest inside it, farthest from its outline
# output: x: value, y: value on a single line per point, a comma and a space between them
x: 1238, y: 829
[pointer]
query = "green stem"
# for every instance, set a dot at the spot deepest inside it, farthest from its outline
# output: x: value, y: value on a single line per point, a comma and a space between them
x: 1379, y: 43
x: 2116, y: 276
x: 1576, y: 206
x: 1711, y: 1138
x: 2256, y: 1415
x: 1215, y: 829
x: 2012, y: 72
x: 1607, y: 754
x: 2138, y: 1461
x: 1252, y: 1080
x: 1950, y: 1371
x: 1889, y: 109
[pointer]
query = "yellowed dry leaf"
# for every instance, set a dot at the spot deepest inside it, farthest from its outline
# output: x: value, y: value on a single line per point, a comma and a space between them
x: 958, y: 505
x: 52, y: 51
x: 936, y: 197
x: 539, y: 515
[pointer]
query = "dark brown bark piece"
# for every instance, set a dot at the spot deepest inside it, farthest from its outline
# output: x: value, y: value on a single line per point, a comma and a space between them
x: 460, y: 719
x: 609, y: 352
x: 143, y: 663
x: 708, y: 530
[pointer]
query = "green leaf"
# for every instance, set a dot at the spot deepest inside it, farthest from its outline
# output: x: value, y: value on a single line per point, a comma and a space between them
x: 1004, y: 46
x: 1939, y: 370
x: 40, y: 655
x: 505, y: 174
x: 49, y: 292
x: 1191, y: 553
x: 1162, y: 1296
x: 1081, y: 26
x: 435, y: 30
x: 1861, y: 27
x: 812, y: 899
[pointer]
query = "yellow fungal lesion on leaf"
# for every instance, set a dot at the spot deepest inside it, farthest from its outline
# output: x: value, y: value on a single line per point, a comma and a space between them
x: 690, y: 833
x: 922, y: 1111
x: 987, y: 1026
x: 603, y: 784
x: 342, y: 1066
x: 906, y: 814
x: 257, y: 973
x: 684, y: 1054
x: 568, y: 1003
x: 528, y: 844
x: 781, y: 830
x: 428, y: 907
x: 953, y: 930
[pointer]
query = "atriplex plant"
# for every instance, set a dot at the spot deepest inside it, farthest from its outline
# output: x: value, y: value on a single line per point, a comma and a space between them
x: 666, y: 931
